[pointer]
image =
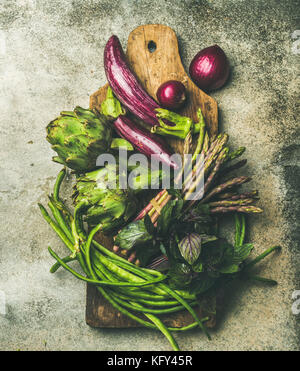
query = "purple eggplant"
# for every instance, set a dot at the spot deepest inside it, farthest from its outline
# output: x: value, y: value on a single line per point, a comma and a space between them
x: 132, y: 95
x: 143, y: 141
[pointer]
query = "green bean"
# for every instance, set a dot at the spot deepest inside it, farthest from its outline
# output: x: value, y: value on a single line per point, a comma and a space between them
x: 75, y: 226
x: 141, y: 294
x: 237, y: 229
x: 163, y: 329
x: 63, y: 237
x: 109, y: 275
x: 60, y: 221
x: 161, y: 303
x: 261, y: 256
x: 123, y: 310
x: 122, y: 299
x: 56, y: 265
x: 57, y: 184
x: 123, y: 273
x: 243, y: 229
x: 100, y: 270
x: 146, y: 275
x: 261, y: 279
x: 114, y: 256
x: 188, y: 327
x: 132, y: 291
x: 87, y: 249
x: 143, y: 272
x: 56, y: 199
x: 145, y: 323
x: 134, y: 269
x: 156, y: 326
x: 57, y: 229
x: 115, y: 268
x: 95, y: 281
x: 64, y: 211
x: 187, y: 306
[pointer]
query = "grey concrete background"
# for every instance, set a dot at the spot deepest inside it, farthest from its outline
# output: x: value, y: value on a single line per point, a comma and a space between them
x: 51, y: 60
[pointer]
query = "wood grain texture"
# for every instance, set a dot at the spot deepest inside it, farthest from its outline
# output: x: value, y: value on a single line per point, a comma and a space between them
x: 152, y: 69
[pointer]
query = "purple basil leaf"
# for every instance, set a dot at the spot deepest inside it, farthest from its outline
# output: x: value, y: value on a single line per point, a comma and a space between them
x: 190, y: 247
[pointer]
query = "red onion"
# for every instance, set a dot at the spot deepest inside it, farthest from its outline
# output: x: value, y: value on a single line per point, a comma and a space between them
x: 209, y: 68
x: 171, y: 94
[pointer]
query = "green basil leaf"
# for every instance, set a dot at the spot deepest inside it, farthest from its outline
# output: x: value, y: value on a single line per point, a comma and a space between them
x: 203, y: 209
x: 175, y: 193
x: 177, y: 209
x: 205, y: 238
x: 180, y: 275
x: 149, y: 225
x: 164, y: 221
x: 198, y: 266
x: 230, y: 268
x: 145, y: 253
x: 162, y: 248
x: 242, y: 252
x: 202, y: 283
x: 132, y: 235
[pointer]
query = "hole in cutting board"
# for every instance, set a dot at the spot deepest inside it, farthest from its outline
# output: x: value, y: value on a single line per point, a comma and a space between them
x: 151, y: 46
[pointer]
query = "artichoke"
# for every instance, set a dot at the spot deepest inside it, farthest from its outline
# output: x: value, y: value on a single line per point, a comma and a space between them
x: 98, y: 196
x: 79, y: 137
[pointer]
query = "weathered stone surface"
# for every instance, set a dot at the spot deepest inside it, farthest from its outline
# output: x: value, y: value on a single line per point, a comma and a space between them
x: 51, y: 60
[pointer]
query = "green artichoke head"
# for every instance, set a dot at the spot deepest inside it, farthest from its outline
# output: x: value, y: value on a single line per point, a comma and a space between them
x: 106, y: 204
x: 79, y: 137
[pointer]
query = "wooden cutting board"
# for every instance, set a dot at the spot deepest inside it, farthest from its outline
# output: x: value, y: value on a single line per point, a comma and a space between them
x: 153, y: 55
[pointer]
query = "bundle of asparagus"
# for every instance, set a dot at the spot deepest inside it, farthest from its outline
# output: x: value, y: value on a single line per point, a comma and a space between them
x: 218, y: 196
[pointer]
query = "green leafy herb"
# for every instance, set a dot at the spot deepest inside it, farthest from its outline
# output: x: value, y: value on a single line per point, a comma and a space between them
x: 198, y: 266
x: 229, y: 268
x: 190, y: 247
x: 202, y: 283
x: 132, y: 235
x: 149, y: 225
x: 242, y: 252
x: 180, y: 275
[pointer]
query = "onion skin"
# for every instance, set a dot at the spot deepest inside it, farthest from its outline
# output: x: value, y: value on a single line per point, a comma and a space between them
x: 171, y: 94
x: 209, y: 68
x: 143, y: 141
x: 125, y: 85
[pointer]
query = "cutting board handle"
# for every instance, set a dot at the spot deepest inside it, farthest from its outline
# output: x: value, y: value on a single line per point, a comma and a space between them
x: 153, y: 55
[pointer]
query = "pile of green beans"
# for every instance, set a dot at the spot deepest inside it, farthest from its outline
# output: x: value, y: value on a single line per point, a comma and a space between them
x: 139, y: 293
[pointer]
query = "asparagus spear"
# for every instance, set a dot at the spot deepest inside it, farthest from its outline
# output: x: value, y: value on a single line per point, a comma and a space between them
x: 227, y: 185
x: 240, y: 209
x: 225, y: 203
